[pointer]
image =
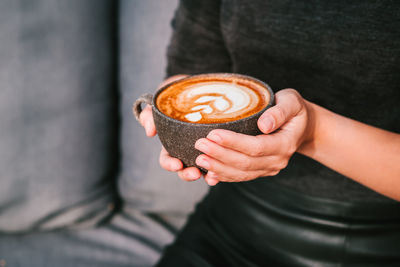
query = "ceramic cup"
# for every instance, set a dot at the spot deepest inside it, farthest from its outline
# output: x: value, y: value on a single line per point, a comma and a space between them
x: 178, y: 137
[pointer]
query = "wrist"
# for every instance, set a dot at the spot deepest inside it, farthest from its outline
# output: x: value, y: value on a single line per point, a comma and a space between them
x: 308, y: 144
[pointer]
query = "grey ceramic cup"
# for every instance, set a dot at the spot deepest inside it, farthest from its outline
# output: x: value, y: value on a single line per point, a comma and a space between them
x: 179, y: 137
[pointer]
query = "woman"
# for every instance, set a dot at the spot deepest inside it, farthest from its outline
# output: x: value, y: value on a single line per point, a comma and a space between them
x: 323, y: 181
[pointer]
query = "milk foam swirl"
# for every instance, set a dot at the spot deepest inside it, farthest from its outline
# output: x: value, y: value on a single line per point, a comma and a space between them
x: 212, y: 98
x: 215, y: 100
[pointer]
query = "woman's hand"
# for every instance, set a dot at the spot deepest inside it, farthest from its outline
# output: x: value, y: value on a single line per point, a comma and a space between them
x: 294, y: 124
x: 234, y: 157
x: 166, y: 161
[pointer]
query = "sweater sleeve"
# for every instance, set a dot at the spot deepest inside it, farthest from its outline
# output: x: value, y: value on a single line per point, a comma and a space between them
x: 197, y: 45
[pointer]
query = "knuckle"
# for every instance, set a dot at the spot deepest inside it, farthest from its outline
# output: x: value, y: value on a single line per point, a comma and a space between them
x: 281, y: 165
x: 293, y: 93
x: 274, y: 173
x: 245, y: 164
x: 279, y: 114
x: 257, y: 152
x: 287, y: 146
x: 296, y: 99
x: 290, y: 92
x: 246, y: 176
x: 291, y: 150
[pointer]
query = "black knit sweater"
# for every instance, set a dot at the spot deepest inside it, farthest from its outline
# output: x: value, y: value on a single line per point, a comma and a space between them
x: 342, y: 55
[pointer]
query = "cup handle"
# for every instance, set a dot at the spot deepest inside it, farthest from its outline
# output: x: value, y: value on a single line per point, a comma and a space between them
x: 137, y: 106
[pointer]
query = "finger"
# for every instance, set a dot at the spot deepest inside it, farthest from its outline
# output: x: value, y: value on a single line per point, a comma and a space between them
x: 146, y: 119
x: 175, y: 165
x: 288, y: 105
x: 231, y: 157
x: 169, y: 163
x: 189, y: 174
x: 253, y: 146
x: 225, y: 173
x: 211, y: 178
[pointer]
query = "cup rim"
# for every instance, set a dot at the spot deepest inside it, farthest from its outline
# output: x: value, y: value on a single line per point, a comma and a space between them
x: 222, y: 75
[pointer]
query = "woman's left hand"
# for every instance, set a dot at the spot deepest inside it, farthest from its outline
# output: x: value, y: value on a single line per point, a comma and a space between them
x: 234, y: 157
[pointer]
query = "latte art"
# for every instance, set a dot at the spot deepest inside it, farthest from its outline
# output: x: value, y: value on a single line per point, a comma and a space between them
x: 212, y: 101
x: 215, y: 101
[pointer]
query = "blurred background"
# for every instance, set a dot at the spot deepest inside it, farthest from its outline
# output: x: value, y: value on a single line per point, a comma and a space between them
x: 80, y: 183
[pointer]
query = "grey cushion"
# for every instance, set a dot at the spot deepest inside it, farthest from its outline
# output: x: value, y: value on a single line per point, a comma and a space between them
x: 133, y: 239
x: 59, y: 135
x: 57, y: 113
x: 144, y: 34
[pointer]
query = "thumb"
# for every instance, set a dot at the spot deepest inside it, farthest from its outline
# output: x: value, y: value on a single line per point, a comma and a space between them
x: 288, y: 105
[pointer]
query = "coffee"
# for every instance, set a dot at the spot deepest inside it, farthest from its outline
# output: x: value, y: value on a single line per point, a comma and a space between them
x: 211, y: 99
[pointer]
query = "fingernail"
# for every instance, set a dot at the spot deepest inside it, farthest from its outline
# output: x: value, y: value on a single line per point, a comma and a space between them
x: 214, y: 137
x: 202, y: 162
x: 212, y: 181
x: 267, y: 124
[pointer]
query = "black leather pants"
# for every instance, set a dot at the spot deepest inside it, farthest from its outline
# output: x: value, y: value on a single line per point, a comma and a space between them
x: 248, y: 225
